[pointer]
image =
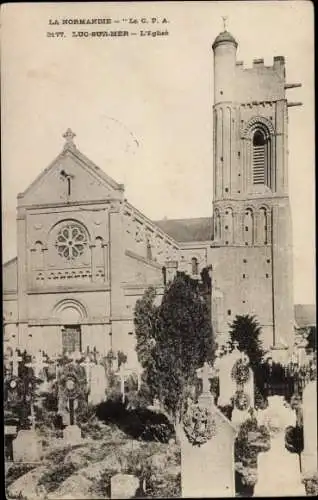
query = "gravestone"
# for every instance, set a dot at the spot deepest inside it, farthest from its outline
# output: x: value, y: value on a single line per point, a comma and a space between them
x: 278, y: 469
x: 27, y: 447
x: 98, y: 384
x: 207, y: 448
x: 72, y: 434
x: 123, y: 374
x: 309, y: 455
x: 123, y: 486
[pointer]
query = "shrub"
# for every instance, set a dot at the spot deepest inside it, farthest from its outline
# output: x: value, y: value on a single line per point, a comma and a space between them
x: 52, y: 479
x: 16, y: 471
x: 311, y: 486
x: 139, y: 423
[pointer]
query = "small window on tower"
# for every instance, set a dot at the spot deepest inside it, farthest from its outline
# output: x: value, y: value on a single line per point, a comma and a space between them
x: 194, y: 266
x: 229, y: 312
x: 226, y: 190
x: 226, y: 227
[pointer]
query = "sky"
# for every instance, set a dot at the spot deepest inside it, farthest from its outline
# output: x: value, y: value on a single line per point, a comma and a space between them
x: 141, y: 106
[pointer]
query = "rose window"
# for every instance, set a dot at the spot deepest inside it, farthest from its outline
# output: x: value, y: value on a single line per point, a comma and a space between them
x: 71, y: 241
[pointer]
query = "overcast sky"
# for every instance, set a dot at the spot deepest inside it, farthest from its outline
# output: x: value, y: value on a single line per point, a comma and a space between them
x: 141, y: 107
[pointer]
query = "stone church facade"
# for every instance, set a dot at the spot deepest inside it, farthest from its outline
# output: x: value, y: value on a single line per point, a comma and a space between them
x: 85, y: 254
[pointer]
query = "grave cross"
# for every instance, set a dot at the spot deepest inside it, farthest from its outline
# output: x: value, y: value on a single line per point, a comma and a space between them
x: 87, y: 363
x: 15, y: 359
x: 123, y: 374
x: 205, y: 374
x: 38, y: 364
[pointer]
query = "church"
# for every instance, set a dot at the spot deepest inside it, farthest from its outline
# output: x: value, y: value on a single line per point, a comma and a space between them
x: 85, y: 254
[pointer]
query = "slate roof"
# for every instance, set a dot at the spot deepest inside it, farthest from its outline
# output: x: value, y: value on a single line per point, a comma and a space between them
x: 305, y: 315
x: 224, y: 37
x: 10, y: 275
x: 185, y: 230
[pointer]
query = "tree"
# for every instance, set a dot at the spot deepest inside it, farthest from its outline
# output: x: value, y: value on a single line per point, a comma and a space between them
x: 174, y: 339
x: 312, y: 339
x: 245, y: 330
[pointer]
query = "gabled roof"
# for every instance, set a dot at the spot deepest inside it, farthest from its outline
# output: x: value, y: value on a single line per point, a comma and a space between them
x: 10, y: 275
x: 70, y: 153
x: 305, y: 315
x: 186, y: 230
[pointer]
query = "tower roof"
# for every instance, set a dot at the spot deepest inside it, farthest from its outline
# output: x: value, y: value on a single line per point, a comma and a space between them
x: 224, y: 37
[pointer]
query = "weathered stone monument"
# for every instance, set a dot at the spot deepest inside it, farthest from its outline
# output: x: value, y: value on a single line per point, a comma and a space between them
x: 309, y: 455
x: 207, y: 448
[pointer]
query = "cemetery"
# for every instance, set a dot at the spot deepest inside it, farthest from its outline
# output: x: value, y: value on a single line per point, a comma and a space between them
x: 219, y: 421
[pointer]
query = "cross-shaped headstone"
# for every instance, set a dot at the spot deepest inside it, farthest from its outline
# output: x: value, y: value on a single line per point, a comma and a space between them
x: 15, y: 360
x: 87, y: 363
x: 206, y: 373
x: 76, y: 356
x: 123, y: 375
x: 38, y: 364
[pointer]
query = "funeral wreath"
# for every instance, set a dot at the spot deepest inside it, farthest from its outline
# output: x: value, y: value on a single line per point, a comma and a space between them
x: 199, y: 425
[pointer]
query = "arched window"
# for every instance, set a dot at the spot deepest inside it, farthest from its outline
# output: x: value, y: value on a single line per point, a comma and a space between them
x: 228, y: 226
x: 261, y: 158
x: 194, y: 266
x: 217, y: 225
x: 248, y: 228
x: 263, y: 226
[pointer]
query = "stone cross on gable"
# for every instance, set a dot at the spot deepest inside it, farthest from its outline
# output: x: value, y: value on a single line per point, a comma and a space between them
x: 206, y: 373
x: 69, y: 137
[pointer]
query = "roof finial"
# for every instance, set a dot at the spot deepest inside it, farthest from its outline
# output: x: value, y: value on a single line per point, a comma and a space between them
x: 225, y: 19
x: 69, y: 136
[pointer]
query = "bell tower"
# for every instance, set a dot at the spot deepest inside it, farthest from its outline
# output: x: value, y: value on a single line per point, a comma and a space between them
x: 251, y: 210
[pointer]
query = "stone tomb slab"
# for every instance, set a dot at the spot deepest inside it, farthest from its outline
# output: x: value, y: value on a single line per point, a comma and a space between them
x: 72, y: 434
x: 124, y: 486
x: 208, y: 470
x: 27, y: 447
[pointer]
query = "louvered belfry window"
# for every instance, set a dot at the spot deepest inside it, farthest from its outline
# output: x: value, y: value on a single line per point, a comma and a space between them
x: 260, y: 158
